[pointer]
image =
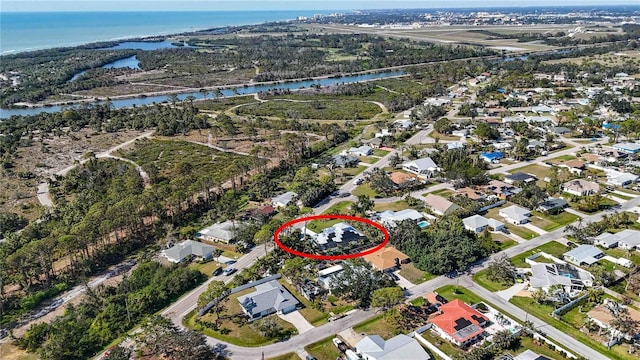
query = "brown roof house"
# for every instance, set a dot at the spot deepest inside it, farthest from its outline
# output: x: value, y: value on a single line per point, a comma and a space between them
x: 439, y: 205
x: 386, y: 259
x: 574, y: 166
x: 580, y: 187
x: 400, y: 178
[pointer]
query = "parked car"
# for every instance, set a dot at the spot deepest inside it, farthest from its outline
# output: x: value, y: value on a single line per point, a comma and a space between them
x: 358, y: 181
x: 340, y: 344
x: 310, y: 357
x: 217, y: 271
x: 228, y: 271
x: 571, y: 244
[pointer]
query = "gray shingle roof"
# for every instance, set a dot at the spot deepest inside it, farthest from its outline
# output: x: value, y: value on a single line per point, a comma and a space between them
x: 398, y: 347
x: 268, y: 296
x: 587, y: 254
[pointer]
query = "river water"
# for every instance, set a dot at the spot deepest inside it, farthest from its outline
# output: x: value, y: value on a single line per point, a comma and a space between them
x: 245, y: 90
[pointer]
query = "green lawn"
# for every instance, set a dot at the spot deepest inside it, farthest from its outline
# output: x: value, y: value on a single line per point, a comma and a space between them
x: 527, y: 343
x: 543, y: 313
x: 339, y: 208
x: 380, y: 152
x: 413, y: 274
x: 323, y: 349
x: 445, y: 193
x: 538, y: 171
x: 241, y: 332
x: 563, y: 158
x: 521, y: 231
x: 394, y: 206
x: 481, y: 278
x: 314, y: 316
x: 552, y: 248
x: 319, y: 225
x: 549, y: 222
x: 289, y: 356
x: 379, y: 325
x: 368, y: 159
x: 623, y: 197
x: 206, y: 268
x: 353, y: 171
x: 364, y: 189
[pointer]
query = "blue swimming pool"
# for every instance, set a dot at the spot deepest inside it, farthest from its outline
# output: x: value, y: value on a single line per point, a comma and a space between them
x: 423, y: 224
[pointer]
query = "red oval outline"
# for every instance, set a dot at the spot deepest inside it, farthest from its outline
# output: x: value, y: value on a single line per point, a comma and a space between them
x: 330, y: 257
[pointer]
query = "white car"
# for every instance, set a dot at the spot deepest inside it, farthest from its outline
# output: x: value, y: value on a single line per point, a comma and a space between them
x: 358, y: 181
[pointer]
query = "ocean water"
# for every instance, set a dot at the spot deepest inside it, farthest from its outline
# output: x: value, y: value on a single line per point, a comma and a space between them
x: 21, y: 31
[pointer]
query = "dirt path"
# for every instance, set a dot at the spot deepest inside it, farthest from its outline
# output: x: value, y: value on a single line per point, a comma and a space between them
x: 43, y: 194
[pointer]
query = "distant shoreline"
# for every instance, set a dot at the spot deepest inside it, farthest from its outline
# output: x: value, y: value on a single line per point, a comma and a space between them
x: 205, y: 21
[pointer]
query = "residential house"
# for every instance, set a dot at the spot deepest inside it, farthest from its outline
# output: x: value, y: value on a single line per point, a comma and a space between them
x: 219, y: 232
x: 363, y: 150
x: 606, y: 240
x: 402, y: 179
x: 626, y: 239
x: 560, y: 130
x: 580, y: 187
x: 617, y: 178
x: 460, y: 323
x: 268, y: 298
x: 455, y: 145
x: 471, y: 194
x: 188, y: 249
x: 515, y: 214
x: 386, y: 259
x: 403, y: 123
x: 283, y: 200
x: 628, y: 148
x: 501, y: 189
x: 526, y: 355
x: 475, y: 223
x: 604, y: 314
x: 574, y: 166
x: 583, y: 255
x: 572, y: 279
x: 326, y: 276
x: 553, y: 206
x: 375, y: 143
x: 374, y: 347
x: 391, y: 218
x: 339, y: 234
x: 344, y: 161
x: 492, y: 157
x: 424, y: 168
x: 439, y: 205
x: 519, y: 176
x: 383, y: 133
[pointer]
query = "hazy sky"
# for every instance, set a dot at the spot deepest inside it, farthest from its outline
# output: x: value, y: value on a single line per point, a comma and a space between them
x: 120, y: 5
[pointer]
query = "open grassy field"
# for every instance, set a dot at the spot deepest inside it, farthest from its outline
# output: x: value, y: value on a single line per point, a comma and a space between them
x: 223, y: 103
x: 317, y: 109
x: 394, y: 206
x: 538, y: 171
x: 9, y: 351
x: 549, y: 222
x: 413, y: 274
x: 521, y: 231
x: 552, y: 248
x: 617, y: 59
x: 32, y: 164
x: 323, y: 349
x: 481, y: 278
x: 364, y: 189
x: 172, y: 158
x: 380, y: 325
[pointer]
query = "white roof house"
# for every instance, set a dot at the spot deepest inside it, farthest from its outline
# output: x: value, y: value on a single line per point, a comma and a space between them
x: 374, y: 347
x: 184, y: 250
x: 363, y: 150
x: 222, y: 232
x: 583, y: 255
x: 283, y: 200
x: 391, y: 218
x: 475, y: 223
x: 268, y: 298
x: 515, y: 214
x: 606, y: 240
x: 617, y: 178
x: 424, y: 168
x: 338, y: 233
x: 573, y: 279
x: 628, y: 239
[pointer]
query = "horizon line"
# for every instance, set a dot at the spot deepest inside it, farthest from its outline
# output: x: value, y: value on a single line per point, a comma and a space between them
x: 511, y: 6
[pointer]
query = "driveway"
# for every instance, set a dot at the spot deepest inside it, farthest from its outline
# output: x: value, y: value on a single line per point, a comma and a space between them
x: 403, y: 283
x: 297, y: 320
x: 512, y: 291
